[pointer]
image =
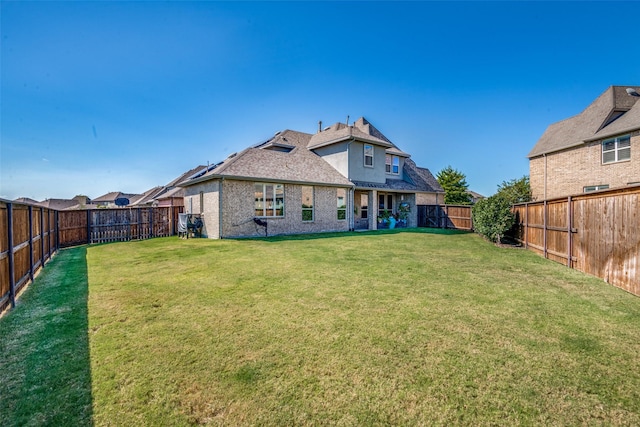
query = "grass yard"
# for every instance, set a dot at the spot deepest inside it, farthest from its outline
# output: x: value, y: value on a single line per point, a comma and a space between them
x: 415, y: 327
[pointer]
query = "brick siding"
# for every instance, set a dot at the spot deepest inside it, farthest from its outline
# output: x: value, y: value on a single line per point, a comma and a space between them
x: 569, y: 171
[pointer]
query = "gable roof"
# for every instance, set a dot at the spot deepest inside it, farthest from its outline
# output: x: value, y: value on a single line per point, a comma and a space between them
x: 614, y: 112
x: 262, y: 163
x: 361, y: 130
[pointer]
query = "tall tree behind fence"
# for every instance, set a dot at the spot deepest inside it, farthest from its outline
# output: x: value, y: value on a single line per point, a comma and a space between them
x: 597, y: 233
x: 30, y: 235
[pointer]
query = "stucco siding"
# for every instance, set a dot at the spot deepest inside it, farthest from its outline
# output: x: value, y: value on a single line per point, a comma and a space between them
x: 569, y: 171
x: 337, y: 156
x: 359, y: 172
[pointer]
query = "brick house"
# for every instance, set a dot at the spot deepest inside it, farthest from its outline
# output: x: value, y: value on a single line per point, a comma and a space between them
x: 597, y: 149
x: 338, y: 179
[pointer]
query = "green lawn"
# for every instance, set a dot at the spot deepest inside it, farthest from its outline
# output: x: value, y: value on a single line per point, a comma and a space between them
x: 390, y: 328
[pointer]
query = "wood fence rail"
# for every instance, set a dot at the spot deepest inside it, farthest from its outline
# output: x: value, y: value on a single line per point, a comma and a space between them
x: 30, y: 235
x: 445, y: 216
x: 596, y: 233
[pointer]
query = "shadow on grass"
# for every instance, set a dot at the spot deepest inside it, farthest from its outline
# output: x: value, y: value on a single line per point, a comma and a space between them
x: 366, y: 233
x: 45, y: 368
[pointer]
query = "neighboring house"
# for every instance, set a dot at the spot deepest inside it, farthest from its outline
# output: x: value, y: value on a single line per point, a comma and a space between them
x: 475, y: 197
x: 338, y: 179
x: 166, y: 195
x: 109, y: 200
x: 78, y: 202
x: 597, y: 149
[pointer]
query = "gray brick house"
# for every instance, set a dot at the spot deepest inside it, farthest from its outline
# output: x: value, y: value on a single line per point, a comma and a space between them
x: 338, y: 179
x: 597, y: 149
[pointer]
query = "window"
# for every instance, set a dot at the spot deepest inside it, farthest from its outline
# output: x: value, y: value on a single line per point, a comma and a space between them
x: 385, y: 203
x: 368, y: 155
x: 392, y: 164
x: 201, y: 201
x: 364, y: 206
x: 269, y: 200
x: 307, y: 203
x: 590, y: 188
x: 342, y: 203
x: 616, y: 149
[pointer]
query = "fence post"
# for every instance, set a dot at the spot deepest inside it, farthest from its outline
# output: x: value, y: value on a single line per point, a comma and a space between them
x: 57, y: 228
x: 88, y: 226
x: 42, y: 237
x: 12, y: 279
x: 31, y: 243
x: 544, y: 229
x: 526, y: 225
x: 569, y: 233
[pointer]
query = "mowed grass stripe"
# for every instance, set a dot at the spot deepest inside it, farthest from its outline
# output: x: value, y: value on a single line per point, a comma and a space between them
x: 417, y: 327
x: 352, y: 329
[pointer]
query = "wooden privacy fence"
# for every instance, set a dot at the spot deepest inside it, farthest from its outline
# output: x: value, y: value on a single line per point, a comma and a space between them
x: 597, y: 233
x: 116, y: 225
x: 30, y: 235
x: 445, y: 216
x: 28, y: 239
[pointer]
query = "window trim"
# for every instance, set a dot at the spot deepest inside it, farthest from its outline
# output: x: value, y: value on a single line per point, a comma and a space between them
x: 392, y: 164
x: 370, y: 147
x: 308, y: 209
x: 616, y: 149
x: 264, y: 200
x: 592, y: 188
x: 341, y: 208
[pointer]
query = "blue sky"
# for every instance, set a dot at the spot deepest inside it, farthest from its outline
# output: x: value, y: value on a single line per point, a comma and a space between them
x: 124, y: 96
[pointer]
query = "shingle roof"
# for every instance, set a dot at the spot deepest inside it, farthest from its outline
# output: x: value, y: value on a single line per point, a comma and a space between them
x: 422, y: 177
x: 298, y: 165
x: 594, y: 122
x: 420, y: 180
x: 341, y: 132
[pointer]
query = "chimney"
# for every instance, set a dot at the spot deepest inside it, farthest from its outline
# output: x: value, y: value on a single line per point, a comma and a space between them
x: 320, y: 126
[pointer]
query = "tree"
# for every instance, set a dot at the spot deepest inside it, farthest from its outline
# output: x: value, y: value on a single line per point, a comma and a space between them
x: 455, y: 186
x: 492, y: 217
x: 516, y: 190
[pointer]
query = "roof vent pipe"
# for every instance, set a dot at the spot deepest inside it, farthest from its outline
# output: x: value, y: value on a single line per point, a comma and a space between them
x: 319, y: 126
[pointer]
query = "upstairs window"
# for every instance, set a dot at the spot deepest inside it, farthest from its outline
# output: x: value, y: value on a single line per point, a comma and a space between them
x: 269, y: 200
x: 616, y: 149
x: 590, y: 188
x: 368, y: 155
x: 307, y: 203
x: 392, y: 164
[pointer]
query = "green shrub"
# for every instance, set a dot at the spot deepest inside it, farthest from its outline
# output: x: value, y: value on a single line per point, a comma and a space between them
x: 492, y: 217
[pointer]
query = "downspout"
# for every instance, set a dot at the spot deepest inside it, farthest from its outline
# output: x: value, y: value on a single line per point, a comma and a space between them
x: 352, y: 189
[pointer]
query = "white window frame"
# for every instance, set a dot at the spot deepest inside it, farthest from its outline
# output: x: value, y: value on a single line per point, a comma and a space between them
x: 591, y: 188
x: 368, y: 154
x: 625, y: 141
x: 307, y: 208
x: 392, y: 164
x: 263, y: 204
x: 341, y: 193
